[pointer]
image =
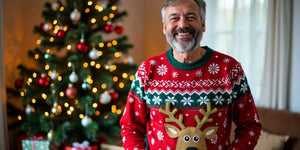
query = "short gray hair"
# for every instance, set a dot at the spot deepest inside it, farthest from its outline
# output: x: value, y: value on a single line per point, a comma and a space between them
x: 200, y: 3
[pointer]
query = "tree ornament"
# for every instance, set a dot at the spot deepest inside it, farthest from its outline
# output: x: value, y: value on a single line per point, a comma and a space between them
x: 54, y: 6
x: 42, y: 26
x: 47, y: 56
x: 54, y: 108
x: 47, y: 26
x: 61, y: 34
x: 54, y: 75
x: 105, y: 98
x: 108, y: 27
x: 94, y: 54
x: 82, y: 46
x: 75, y: 15
x: 116, y: 11
x: 29, y: 109
x: 114, y: 96
x: 73, y: 77
x: 119, y: 29
x: 130, y: 60
x: 85, y: 85
x: 43, y: 81
x: 71, y: 91
x: 50, y: 135
x: 19, y: 83
x: 86, y: 121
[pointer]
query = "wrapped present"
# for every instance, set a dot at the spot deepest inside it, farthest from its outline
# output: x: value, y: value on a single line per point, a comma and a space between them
x: 36, y: 144
x: 85, y: 145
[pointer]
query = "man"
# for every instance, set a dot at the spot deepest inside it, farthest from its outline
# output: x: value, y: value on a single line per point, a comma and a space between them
x: 188, y: 97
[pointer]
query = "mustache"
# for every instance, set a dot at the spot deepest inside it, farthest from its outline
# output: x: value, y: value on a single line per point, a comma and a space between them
x: 186, y: 29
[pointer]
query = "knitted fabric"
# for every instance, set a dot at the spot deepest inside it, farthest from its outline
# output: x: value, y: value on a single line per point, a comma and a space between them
x: 216, y: 79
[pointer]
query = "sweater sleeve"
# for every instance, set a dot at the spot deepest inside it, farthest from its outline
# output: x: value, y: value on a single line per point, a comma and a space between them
x: 133, y: 121
x: 244, y: 114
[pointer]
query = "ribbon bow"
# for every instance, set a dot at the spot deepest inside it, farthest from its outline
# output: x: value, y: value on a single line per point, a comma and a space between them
x: 83, y: 145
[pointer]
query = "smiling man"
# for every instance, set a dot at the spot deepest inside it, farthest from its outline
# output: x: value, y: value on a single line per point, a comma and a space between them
x: 188, y: 97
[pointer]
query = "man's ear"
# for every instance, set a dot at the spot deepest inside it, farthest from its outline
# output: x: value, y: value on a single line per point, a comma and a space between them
x: 203, y: 26
x: 164, y: 28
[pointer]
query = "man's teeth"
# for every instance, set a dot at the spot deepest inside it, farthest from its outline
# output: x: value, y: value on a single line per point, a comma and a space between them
x: 183, y: 34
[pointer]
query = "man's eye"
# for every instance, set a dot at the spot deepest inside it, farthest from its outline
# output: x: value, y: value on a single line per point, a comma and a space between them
x: 191, y: 18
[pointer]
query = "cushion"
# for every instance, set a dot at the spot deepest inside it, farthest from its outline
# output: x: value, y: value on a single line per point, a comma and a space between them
x: 270, y: 141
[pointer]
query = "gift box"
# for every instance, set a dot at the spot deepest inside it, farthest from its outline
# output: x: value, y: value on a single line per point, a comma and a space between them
x: 85, y: 145
x: 33, y: 144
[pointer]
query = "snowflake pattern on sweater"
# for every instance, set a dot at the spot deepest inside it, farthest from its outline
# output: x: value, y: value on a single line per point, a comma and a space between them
x: 216, y: 78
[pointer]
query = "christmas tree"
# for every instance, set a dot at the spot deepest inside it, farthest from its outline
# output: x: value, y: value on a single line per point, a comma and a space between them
x: 85, y: 73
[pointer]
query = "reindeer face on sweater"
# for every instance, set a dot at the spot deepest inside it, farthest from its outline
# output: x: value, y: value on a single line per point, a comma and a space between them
x: 190, y: 137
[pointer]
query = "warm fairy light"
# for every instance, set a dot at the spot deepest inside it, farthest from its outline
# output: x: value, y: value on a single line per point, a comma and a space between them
x: 61, y: 94
x: 106, y: 66
x: 66, y: 104
x: 52, y: 85
x: 87, y: 10
x: 93, y: 20
x: 92, y: 63
x: 65, y: 28
x: 101, y: 45
x: 111, y: 15
x: 71, y: 108
x: 56, y: 28
x: 59, y: 108
x: 81, y: 116
x: 85, y: 65
x: 49, y: 73
x: 113, y: 68
x: 69, y: 64
x: 54, y: 22
x: 33, y: 101
x: 121, y: 85
x: 100, y: 8
x: 44, y: 96
x: 75, y: 101
x: 61, y: 8
x: 59, y: 78
x: 36, y: 56
x: 90, y: 3
x: 69, y: 47
x: 29, y: 80
x: 47, y: 67
x: 89, y: 80
x: 119, y: 111
x: 109, y: 44
x: 115, y: 78
x: 38, y: 42
x: 114, y: 7
x: 46, y: 114
x: 105, y: 117
x: 118, y: 54
x: 103, y: 86
x: 94, y: 90
x: 34, y: 75
x: 124, y: 75
x: 19, y: 117
x: 97, y: 113
x: 51, y: 39
x: 22, y: 94
x: 114, y: 42
x: 48, y: 51
x: 131, y: 77
x: 105, y: 18
x: 95, y: 105
x: 69, y: 112
x: 100, y: 53
x: 98, y: 66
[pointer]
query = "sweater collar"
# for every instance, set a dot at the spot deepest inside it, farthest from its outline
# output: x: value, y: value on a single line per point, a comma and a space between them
x: 189, y: 66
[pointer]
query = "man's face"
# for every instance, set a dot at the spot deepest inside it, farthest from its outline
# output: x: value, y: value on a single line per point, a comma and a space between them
x: 182, y: 26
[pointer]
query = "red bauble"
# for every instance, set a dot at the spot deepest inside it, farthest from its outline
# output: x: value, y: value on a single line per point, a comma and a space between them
x: 42, y: 26
x: 61, y: 34
x: 71, y: 92
x: 114, y: 96
x: 82, y: 47
x: 43, y: 81
x: 116, y: 11
x: 119, y: 29
x: 108, y: 28
x: 19, y: 83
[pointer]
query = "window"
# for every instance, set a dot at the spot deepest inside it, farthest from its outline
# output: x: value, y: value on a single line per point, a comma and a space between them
x: 237, y: 28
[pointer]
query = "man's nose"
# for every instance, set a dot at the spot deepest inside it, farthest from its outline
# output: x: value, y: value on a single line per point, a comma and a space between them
x: 183, y: 23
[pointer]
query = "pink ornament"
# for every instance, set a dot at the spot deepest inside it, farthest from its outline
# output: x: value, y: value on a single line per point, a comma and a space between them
x: 71, y: 91
x: 61, y: 34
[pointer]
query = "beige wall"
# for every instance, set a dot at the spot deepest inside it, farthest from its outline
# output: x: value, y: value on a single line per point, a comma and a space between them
x: 142, y: 26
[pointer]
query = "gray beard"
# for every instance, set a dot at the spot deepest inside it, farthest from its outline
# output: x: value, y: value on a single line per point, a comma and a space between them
x: 191, y: 45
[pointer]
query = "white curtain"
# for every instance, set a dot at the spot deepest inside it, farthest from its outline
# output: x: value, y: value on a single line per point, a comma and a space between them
x: 274, y: 93
x: 3, y: 122
x: 238, y: 28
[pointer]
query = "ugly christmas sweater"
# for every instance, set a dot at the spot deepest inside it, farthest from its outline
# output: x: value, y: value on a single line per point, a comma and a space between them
x: 190, y: 105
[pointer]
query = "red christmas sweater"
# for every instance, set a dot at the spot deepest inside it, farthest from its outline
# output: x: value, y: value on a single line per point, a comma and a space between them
x: 190, y: 105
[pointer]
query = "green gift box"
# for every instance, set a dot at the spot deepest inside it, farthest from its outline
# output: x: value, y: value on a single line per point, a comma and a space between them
x: 31, y: 144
